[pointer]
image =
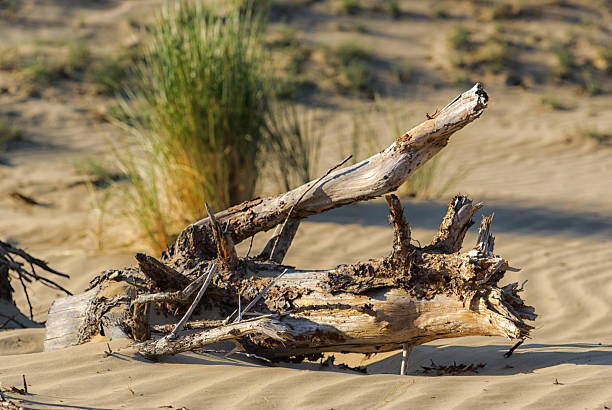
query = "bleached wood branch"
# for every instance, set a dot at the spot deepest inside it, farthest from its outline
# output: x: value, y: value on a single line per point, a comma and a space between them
x: 380, y: 174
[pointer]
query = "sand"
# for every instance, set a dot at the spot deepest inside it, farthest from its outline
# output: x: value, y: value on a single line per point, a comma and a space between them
x: 553, y: 218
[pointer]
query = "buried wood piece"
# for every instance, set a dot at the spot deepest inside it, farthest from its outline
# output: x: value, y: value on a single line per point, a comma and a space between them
x: 265, y: 327
x: 378, y: 175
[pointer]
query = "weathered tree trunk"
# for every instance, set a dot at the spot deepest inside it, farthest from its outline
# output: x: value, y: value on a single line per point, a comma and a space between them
x: 415, y: 295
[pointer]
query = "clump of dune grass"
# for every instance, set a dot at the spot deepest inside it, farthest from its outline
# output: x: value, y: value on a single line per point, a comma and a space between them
x: 197, y: 112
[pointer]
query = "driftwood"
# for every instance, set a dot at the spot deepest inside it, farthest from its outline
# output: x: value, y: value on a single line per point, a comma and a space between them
x: 414, y: 295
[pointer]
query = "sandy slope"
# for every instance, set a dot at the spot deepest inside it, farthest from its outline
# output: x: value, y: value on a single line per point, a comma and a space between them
x: 553, y: 218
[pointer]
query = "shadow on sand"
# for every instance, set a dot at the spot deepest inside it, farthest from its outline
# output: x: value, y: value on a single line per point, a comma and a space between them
x: 526, y: 359
x: 514, y: 217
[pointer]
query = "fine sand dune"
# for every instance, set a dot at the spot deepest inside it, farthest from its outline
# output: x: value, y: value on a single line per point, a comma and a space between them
x: 552, y: 199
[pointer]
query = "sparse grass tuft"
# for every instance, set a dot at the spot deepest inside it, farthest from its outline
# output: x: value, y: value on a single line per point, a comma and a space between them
x: 460, y: 39
x: 295, y: 144
x: 497, y: 54
x: 350, y: 7
x: 79, y: 58
x: 353, y: 65
x: 592, y: 134
x: 39, y: 75
x: 394, y: 8
x: 349, y: 52
x: 357, y: 26
x: 592, y: 87
x: 565, y: 61
x: 553, y: 103
x: 107, y: 75
x: 8, y: 134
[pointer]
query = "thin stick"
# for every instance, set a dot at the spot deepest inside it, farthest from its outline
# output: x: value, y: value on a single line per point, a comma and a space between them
x: 329, y: 171
x: 25, y: 384
x: 513, y: 348
x: 250, y: 247
x: 31, y: 259
x: 239, y: 306
x: 406, y: 352
x: 179, y: 325
x: 263, y: 291
x: 25, y: 290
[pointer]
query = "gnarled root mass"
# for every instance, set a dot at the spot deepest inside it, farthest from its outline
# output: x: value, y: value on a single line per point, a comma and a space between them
x: 414, y: 295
